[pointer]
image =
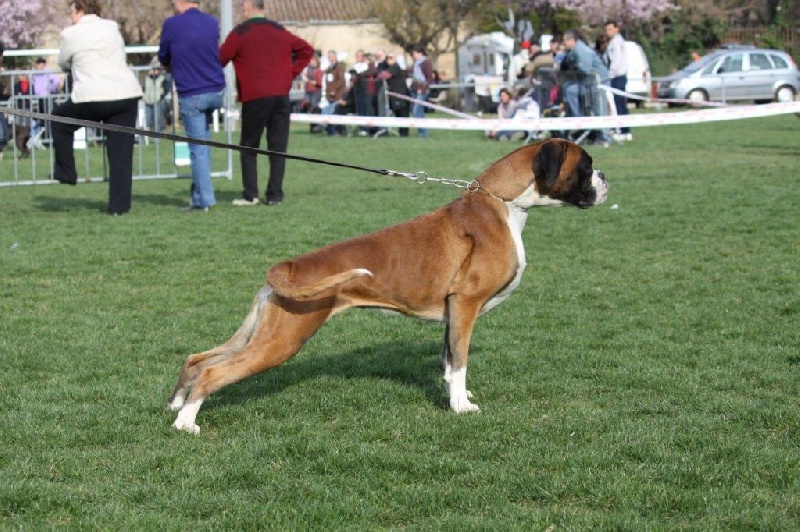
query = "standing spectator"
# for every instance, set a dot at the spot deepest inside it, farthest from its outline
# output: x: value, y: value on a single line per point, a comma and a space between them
x: 189, y: 47
x: 335, y: 87
x: 22, y: 97
x: 520, y: 60
x: 3, y: 119
x: 422, y: 79
x: 103, y: 89
x: 363, y: 87
x: 154, y: 91
x: 45, y: 84
x: 587, y: 73
x: 381, y: 65
x: 312, y: 77
x: 601, y: 48
x: 618, y: 71
x: 264, y: 81
x: 395, y: 78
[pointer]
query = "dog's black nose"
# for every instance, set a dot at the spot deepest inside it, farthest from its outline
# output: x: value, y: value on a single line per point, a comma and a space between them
x: 601, y: 175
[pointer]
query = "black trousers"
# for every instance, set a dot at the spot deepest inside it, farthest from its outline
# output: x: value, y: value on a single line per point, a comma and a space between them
x: 270, y: 113
x: 119, y: 146
x: 402, y: 112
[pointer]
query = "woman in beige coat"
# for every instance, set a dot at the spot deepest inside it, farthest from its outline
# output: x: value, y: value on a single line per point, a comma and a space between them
x: 104, y: 89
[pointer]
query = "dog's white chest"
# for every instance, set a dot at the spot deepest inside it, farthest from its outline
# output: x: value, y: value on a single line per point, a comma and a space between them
x: 516, y: 223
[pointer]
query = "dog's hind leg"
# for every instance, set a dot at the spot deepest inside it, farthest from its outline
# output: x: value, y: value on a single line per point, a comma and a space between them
x: 195, y: 363
x: 282, y: 330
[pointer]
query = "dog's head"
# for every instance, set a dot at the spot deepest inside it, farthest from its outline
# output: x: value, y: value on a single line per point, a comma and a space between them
x: 551, y: 172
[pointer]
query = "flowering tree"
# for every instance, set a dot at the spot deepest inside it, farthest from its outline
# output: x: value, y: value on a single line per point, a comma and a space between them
x: 595, y: 12
x: 556, y: 15
x: 22, y: 21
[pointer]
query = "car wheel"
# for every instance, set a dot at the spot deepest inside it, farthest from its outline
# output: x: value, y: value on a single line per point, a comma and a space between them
x: 697, y: 96
x: 784, y: 94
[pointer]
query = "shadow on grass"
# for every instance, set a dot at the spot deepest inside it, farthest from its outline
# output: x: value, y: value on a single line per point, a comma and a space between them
x: 413, y: 364
x: 56, y: 204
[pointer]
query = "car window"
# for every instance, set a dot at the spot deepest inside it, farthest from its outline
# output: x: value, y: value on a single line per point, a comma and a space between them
x: 779, y: 61
x: 731, y: 63
x: 760, y: 62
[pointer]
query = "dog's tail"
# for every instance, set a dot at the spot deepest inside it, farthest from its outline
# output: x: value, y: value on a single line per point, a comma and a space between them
x: 278, y: 279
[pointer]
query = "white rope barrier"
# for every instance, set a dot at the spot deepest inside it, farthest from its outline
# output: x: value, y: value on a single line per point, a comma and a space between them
x: 691, y: 116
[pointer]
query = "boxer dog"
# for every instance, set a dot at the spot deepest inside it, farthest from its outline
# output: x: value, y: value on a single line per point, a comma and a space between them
x: 450, y: 265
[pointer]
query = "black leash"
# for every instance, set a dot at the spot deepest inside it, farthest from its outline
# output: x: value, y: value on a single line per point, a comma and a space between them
x: 419, y: 177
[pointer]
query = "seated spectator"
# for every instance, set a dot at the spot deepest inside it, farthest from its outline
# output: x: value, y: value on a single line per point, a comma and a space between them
x: 505, y: 111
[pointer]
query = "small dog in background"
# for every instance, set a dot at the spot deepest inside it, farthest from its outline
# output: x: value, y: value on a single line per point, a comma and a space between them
x: 21, y: 136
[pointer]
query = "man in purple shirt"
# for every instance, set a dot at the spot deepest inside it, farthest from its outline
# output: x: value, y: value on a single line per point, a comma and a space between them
x: 190, y: 49
x: 44, y: 85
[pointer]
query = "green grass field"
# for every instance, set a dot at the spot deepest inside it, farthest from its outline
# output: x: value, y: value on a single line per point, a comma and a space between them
x: 645, y: 375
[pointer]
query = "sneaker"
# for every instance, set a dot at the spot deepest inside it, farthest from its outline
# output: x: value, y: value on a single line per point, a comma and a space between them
x: 518, y: 135
x: 194, y: 208
x: 629, y: 136
x: 241, y: 202
x: 273, y: 203
x: 619, y: 137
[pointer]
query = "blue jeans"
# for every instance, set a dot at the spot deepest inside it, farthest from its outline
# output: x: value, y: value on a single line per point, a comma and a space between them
x: 621, y: 102
x: 196, y: 114
x: 418, y: 111
x: 330, y: 109
x: 600, y: 108
x: 572, y: 97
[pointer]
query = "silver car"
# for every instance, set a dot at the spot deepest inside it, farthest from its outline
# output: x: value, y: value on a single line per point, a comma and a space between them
x: 741, y: 73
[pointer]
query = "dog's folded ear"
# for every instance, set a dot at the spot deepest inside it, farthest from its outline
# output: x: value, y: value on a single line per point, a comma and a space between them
x: 549, y: 160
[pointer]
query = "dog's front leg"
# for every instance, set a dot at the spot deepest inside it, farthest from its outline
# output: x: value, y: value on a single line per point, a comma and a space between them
x: 447, y: 363
x: 462, y: 314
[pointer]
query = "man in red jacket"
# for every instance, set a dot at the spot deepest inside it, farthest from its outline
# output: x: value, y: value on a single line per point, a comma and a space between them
x: 266, y: 58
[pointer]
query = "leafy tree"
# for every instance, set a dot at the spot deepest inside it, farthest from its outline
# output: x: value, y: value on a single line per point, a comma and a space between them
x: 431, y: 23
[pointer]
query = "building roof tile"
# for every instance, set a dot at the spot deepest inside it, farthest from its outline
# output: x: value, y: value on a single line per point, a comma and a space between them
x: 319, y: 10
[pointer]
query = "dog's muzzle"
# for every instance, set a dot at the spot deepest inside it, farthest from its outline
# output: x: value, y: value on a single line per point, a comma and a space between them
x: 600, y: 187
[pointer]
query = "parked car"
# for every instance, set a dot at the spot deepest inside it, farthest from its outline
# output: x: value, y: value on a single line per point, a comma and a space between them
x: 638, y: 72
x: 740, y: 73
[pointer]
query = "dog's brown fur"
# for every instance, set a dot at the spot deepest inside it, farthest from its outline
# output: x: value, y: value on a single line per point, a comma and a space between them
x: 449, y: 265
x: 21, y: 135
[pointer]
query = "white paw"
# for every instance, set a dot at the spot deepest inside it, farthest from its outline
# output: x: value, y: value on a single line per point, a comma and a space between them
x: 191, y: 428
x: 462, y: 405
x: 176, y: 403
x: 447, y: 390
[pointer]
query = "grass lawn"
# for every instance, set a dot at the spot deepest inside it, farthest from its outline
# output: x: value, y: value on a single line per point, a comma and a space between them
x: 646, y: 373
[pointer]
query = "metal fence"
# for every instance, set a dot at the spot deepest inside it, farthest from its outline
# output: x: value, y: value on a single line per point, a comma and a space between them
x: 29, y: 157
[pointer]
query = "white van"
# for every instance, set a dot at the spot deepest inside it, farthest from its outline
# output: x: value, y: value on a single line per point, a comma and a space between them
x: 638, y: 72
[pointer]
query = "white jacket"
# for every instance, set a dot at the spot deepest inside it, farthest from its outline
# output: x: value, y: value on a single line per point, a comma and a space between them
x: 617, y: 56
x: 94, y: 51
